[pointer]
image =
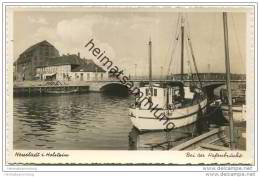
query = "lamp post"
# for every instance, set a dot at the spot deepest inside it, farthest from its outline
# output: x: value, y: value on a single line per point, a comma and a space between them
x: 135, y: 70
x: 161, y: 72
x: 96, y: 76
x: 209, y: 72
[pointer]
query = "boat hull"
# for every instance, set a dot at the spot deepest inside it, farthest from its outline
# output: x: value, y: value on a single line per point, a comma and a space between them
x: 61, y: 92
x: 239, y: 113
x: 149, y: 120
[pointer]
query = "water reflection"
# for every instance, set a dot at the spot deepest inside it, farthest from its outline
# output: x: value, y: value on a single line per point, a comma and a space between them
x: 90, y: 121
x: 159, y: 140
x: 162, y: 140
x: 86, y: 121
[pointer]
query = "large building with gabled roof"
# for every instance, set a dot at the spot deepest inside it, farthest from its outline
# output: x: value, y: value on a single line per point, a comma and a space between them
x: 43, y: 62
x: 32, y: 57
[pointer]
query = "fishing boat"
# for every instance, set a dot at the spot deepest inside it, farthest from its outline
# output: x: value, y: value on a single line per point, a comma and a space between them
x: 169, y: 105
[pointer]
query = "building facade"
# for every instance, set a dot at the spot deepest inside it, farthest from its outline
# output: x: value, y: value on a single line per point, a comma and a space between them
x: 70, y: 68
x: 43, y: 62
x: 25, y: 66
x: 88, y: 72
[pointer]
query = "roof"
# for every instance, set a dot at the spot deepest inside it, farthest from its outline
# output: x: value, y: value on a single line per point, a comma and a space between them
x: 62, y: 60
x: 46, y: 43
x: 88, y: 67
x: 31, y: 48
x: 82, y: 65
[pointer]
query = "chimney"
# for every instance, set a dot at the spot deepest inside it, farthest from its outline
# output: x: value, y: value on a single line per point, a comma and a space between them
x: 78, y: 54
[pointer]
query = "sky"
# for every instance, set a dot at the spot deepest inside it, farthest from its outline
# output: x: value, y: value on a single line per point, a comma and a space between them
x: 124, y: 34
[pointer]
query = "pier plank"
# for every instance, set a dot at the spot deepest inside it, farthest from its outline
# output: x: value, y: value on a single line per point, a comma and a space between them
x: 213, y: 147
x: 204, y: 138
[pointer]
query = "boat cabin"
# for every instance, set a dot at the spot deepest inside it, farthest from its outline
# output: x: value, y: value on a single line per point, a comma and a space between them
x: 164, y: 96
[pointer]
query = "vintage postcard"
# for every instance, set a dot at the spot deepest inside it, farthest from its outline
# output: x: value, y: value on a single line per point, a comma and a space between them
x: 129, y: 84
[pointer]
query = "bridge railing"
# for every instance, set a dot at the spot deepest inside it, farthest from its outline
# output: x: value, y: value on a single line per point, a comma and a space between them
x: 190, y: 77
x: 209, y: 76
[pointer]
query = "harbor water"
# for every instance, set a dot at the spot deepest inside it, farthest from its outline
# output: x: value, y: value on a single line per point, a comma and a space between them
x: 74, y: 121
x: 91, y: 121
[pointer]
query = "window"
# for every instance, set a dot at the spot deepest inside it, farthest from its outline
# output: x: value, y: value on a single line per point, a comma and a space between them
x: 46, y: 51
x: 151, y: 90
x: 88, y: 76
x: 101, y: 76
x: 81, y: 76
x: 147, y: 91
x: 155, y: 92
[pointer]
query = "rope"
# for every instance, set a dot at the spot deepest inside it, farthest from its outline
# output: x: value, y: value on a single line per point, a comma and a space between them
x: 176, y: 37
x: 192, y: 53
x: 188, y: 25
x: 211, y: 42
x: 189, y: 60
x: 237, y: 41
x: 172, y: 55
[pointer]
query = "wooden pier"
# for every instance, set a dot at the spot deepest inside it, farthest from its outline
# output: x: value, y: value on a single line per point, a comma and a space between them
x: 217, y: 139
x: 41, y: 90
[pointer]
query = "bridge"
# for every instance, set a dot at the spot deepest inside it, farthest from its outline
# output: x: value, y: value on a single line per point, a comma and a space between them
x: 209, y: 82
x: 207, y: 79
x: 117, y: 86
x: 113, y: 85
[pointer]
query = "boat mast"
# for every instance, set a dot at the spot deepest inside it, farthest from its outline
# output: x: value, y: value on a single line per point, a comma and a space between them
x: 227, y: 64
x: 150, y: 62
x: 182, y: 46
x: 194, y: 62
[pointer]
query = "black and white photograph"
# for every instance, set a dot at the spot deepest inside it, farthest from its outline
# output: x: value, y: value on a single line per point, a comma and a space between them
x: 90, y: 84
x: 129, y: 80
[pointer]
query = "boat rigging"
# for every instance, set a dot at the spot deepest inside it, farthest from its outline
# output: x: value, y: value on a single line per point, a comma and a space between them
x: 172, y: 102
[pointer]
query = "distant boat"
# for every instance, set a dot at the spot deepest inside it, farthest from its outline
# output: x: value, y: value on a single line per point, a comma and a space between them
x: 233, y: 104
x: 61, y: 91
x: 239, y: 113
x: 238, y: 106
x: 180, y: 104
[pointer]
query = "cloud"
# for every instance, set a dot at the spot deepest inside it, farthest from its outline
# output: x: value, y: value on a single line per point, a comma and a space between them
x: 108, y: 32
x: 74, y: 31
x: 71, y: 35
x: 45, y: 33
x: 124, y: 38
x: 39, y: 20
